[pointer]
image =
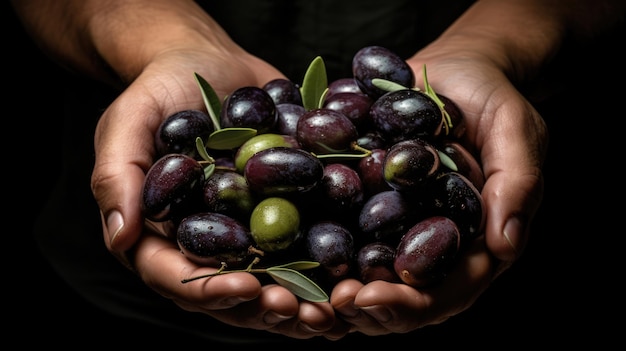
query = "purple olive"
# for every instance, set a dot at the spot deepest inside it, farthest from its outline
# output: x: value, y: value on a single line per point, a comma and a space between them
x: 427, y: 251
x: 212, y: 239
x: 173, y: 185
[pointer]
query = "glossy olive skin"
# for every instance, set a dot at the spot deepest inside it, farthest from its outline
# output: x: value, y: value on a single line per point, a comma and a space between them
x: 355, y: 106
x: 283, y: 90
x: 325, y: 131
x: 332, y: 245
x: 374, y: 261
x: 342, y: 85
x: 282, y: 171
x: 287, y: 118
x: 427, y: 251
x: 227, y: 192
x: 260, y: 142
x: 452, y: 195
x: 341, y: 188
x: 370, y: 169
x: 371, y: 139
x: 249, y: 107
x: 406, y: 114
x: 385, y: 216
x: 172, y: 186
x: 379, y: 62
x: 210, y: 239
x: 178, y: 132
x: 275, y: 224
x: 409, y: 164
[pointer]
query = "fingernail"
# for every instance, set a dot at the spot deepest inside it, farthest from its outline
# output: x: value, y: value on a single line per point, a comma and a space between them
x: 380, y: 313
x: 272, y: 317
x: 115, y: 221
x: 513, y: 230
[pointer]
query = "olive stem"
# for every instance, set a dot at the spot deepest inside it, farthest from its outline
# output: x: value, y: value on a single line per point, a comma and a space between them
x: 447, y: 121
x: 354, y: 146
x: 222, y: 270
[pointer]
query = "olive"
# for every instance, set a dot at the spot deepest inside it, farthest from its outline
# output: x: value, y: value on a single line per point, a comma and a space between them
x: 427, y: 251
x: 213, y: 239
x: 275, y: 224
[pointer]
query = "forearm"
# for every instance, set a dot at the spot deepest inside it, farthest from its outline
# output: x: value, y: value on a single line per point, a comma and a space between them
x: 113, y: 40
x: 521, y: 36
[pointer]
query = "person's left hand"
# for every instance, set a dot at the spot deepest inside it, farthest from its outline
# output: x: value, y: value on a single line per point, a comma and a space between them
x: 381, y: 307
x: 509, y: 138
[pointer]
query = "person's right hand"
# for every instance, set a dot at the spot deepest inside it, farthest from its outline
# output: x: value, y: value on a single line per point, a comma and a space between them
x: 124, y: 146
x: 124, y: 152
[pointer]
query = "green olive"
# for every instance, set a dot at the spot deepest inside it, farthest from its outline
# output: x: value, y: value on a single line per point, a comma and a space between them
x: 274, y: 224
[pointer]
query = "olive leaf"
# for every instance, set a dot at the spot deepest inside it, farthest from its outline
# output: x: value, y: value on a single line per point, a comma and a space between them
x: 211, y: 101
x: 229, y: 138
x: 447, y: 161
x: 387, y: 85
x: 297, y: 283
x: 314, y: 85
x: 202, y: 150
x: 299, y: 265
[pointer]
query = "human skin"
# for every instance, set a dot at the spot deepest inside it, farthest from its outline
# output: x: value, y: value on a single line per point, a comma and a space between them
x: 479, y: 62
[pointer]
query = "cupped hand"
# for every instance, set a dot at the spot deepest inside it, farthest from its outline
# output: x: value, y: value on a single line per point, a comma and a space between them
x: 124, y: 148
x: 124, y: 137
x: 237, y: 298
x: 381, y: 307
x: 509, y: 139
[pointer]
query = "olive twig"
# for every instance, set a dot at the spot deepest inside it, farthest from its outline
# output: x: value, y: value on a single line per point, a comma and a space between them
x: 447, y: 122
x: 286, y: 275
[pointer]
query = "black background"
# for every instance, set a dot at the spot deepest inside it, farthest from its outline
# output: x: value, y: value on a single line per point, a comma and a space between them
x: 561, y: 292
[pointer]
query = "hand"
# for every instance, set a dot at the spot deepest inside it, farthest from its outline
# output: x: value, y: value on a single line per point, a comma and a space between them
x: 124, y: 152
x: 236, y: 299
x: 510, y: 139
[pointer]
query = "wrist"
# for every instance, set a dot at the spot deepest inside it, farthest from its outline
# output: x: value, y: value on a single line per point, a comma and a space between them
x: 516, y: 37
x: 128, y: 35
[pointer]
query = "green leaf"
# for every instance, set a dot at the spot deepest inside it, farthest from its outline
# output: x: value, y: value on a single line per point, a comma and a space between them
x: 314, y: 84
x: 209, y: 170
x: 447, y: 161
x: 229, y: 138
x: 201, y: 148
x: 298, y: 284
x: 387, y: 85
x: 299, y: 265
x: 211, y: 101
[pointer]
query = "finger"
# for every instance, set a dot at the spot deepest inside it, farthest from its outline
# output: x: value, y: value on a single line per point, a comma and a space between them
x: 512, y: 156
x: 313, y: 319
x: 400, y: 308
x: 343, y: 299
x: 274, y: 305
x: 124, y: 152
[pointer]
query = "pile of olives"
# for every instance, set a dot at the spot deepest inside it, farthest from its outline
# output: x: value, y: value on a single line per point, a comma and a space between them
x: 364, y: 176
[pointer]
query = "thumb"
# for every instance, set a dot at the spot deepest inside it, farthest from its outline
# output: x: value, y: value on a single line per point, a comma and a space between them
x: 512, y: 156
x: 124, y: 149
